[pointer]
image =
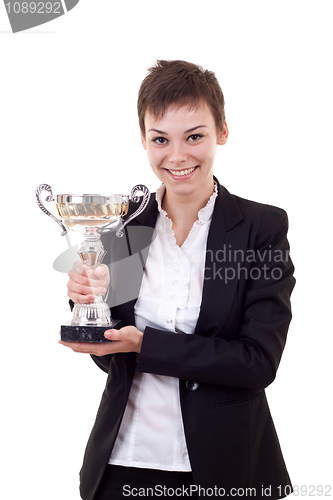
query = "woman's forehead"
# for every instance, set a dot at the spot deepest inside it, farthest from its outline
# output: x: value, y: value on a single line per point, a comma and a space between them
x: 175, y: 112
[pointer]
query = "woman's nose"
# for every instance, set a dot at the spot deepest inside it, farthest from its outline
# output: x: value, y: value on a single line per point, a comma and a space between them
x: 177, y: 155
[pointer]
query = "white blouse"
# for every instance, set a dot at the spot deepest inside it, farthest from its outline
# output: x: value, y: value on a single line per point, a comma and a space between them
x: 151, y: 434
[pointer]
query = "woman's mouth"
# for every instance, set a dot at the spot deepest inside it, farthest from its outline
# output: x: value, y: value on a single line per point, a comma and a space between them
x: 182, y: 173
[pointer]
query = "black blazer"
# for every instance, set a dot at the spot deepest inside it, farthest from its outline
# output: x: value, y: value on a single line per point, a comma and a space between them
x: 225, y: 365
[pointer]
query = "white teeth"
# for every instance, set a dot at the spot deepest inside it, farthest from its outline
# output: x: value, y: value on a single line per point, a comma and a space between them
x: 179, y: 173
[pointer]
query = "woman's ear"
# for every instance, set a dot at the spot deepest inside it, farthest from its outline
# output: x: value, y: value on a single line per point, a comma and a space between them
x: 143, y: 141
x: 223, y: 136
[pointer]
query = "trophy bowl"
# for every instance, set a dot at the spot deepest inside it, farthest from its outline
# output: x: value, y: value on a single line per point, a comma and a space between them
x: 91, y: 210
x: 92, y: 215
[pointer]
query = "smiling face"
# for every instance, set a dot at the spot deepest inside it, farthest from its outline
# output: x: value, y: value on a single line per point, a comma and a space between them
x: 181, y: 147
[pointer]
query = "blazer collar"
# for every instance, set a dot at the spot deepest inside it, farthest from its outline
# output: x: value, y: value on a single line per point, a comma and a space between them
x: 227, y: 212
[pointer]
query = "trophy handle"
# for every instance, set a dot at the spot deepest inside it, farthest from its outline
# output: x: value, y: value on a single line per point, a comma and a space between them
x: 50, y: 197
x: 145, y: 199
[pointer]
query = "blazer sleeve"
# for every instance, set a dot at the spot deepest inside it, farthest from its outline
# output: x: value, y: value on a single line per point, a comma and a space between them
x: 251, y: 359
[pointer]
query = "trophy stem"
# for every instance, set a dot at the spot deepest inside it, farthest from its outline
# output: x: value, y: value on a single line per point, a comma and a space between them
x: 96, y: 312
x: 92, y: 251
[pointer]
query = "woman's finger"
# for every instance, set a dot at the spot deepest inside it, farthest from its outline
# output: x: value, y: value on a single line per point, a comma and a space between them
x: 78, y: 279
x: 97, y: 349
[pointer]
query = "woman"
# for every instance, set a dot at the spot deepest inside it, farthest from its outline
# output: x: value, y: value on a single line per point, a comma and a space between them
x: 184, y: 410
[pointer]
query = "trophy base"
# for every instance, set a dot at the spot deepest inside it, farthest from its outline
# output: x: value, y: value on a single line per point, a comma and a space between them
x: 88, y: 333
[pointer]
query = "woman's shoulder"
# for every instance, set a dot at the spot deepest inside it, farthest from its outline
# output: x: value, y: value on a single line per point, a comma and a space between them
x: 251, y: 208
x: 235, y: 210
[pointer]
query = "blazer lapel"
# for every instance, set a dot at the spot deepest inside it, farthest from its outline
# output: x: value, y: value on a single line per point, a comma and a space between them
x: 219, y: 267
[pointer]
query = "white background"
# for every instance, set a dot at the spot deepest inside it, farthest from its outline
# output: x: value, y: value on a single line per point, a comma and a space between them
x: 68, y: 118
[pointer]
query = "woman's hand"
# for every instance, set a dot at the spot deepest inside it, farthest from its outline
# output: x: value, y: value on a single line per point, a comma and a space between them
x: 86, y: 283
x: 83, y: 285
x: 127, y: 339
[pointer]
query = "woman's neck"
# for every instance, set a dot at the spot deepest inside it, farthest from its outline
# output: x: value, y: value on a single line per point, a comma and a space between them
x: 183, y: 211
x: 179, y: 207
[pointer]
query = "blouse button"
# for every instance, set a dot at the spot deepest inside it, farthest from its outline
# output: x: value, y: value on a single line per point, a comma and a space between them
x: 175, y: 282
x: 176, y: 269
x: 191, y: 386
x: 169, y: 321
x: 173, y: 297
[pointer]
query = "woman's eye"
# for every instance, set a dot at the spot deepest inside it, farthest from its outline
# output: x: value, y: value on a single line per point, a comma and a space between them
x: 160, y: 140
x: 195, y: 137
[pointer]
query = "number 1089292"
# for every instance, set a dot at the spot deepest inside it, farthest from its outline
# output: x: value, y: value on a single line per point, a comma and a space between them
x: 34, y: 7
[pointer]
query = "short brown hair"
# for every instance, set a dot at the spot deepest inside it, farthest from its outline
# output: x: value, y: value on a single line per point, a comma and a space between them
x: 181, y: 83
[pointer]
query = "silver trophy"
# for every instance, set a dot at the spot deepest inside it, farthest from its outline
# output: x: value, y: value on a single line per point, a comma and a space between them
x: 92, y: 215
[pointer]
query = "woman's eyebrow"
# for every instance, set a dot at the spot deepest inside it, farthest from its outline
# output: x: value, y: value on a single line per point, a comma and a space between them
x: 194, y: 128
x: 158, y: 131
x: 186, y: 131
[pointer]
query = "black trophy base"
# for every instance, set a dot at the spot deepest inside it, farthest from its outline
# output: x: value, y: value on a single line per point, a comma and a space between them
x: 71, y: 333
